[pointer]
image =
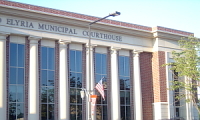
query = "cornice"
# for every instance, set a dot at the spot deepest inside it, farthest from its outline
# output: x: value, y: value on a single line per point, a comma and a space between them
x: 81, y: 20
x: 61, y: 13
x: 78, y: 23
x: 166, y: 35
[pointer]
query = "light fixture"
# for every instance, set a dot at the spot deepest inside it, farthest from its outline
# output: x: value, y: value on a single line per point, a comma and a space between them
x: 89, y: 91
x: 115, y: 14
x: 82, y: 94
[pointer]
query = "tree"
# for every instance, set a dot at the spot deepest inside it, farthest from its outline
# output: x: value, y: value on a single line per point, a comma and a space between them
x: 187, y: 65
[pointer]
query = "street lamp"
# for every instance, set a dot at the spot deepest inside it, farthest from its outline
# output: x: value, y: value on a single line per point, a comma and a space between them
x: 89, y: 66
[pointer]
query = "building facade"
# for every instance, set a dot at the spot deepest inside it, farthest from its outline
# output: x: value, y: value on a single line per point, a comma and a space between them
x: 45, y: 64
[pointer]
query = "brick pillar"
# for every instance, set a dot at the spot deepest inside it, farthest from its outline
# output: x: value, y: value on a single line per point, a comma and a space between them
x: 159, y: 86
x: 146, y: 85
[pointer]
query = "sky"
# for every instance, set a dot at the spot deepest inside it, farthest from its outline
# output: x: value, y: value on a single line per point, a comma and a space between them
x: 177, y: 14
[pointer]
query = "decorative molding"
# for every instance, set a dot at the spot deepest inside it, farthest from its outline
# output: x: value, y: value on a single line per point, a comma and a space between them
x: 91, y: 48
x: 3, y: 35
x: 170, y: 30
x: 136, y: 53
x: 34, y: 39
x: 64, y: 42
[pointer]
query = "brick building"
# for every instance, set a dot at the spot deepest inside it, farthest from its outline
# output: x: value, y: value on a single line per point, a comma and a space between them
x: 45, y: 64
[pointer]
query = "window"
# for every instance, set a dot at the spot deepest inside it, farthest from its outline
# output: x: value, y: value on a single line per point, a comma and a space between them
x: 47, y: 83
x: 176, y: 94
x: 124, y: 79
x: 16, y: 81
x: 75, y: 60
x: 101, y: 73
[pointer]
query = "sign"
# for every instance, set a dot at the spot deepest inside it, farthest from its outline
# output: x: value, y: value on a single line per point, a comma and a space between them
x: 55, y: 28
x: 93, y: 103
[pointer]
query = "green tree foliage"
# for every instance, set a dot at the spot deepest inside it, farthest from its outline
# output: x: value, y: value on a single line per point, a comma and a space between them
x: 186, y: 64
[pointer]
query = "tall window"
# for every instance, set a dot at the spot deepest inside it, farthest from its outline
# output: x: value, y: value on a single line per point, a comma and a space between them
x: 16, y: 81
x: 124, y: 79
x: 176, y: 94
x: 75, y: 84
x: 47, y: 83
x: 101, y: 73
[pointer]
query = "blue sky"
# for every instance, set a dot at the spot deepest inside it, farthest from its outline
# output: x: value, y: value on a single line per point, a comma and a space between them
x: 177, y: 14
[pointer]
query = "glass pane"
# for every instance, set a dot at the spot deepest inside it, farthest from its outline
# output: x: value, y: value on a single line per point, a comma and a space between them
x: 12, y: 111
x: 105, y: 112
x: 79, y: 100
x: 78, y: 61
x: 122, y: 112
x: 122, y: 97
x: 127, y: 83
x: 12, y: 93
x: 50, y: 79
x: 72, y: 112
x: 99, y: 112
x: 20, y: 111
x: 98, y: 63
x: 44, y: 57
x: 51, y: 112
x: 98, y: 78
x: 104, y: 64
x: 44, y: 112
x: 44, y: 78
x: 127, y: 97
x: 44, y: 95
x: 105, y: 101
x: 79, y: 112
x: 98, y: 100
x: 13, y: 75
x: 128, y: 113
x: 72, y: 60
x: 79, y: 80
x: 20, y: 76
x: 20, y: 55
x: 177, y: 112
x: 51, y: 58
x: 13, y: 54
x: 104, y: 82
x: 121, y: 83
x: 20, y: 93
x: 72, y: 79
x: 121, y: 65
x: 50, y: 94
x: 73, y: 95
x: 127, y: 68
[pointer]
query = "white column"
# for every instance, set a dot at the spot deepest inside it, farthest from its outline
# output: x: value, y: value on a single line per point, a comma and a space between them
x: 33, y: 103
x: 64, y: 84
x: 115, y: 94
x: 188, y: 104
x: 137, y: 87
x: 89, y: 80
x: 3, y: 85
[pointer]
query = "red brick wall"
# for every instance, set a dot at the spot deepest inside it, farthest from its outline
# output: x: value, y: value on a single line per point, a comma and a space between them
x: 159, y: 77
x: 146, y: 85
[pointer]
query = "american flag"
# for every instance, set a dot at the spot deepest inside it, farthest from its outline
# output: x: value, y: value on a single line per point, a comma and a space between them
x: 100, y: 88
